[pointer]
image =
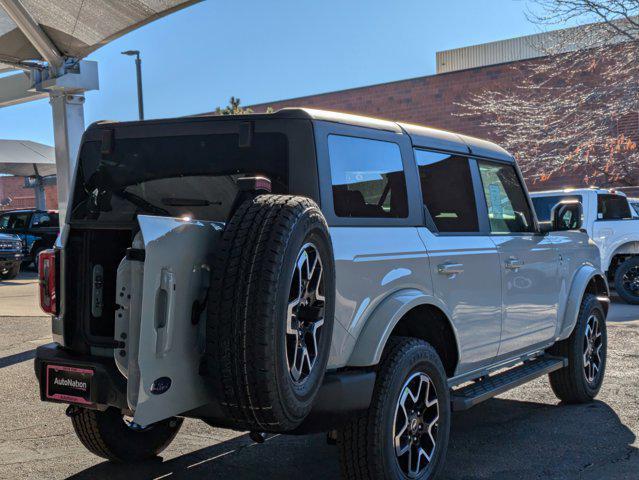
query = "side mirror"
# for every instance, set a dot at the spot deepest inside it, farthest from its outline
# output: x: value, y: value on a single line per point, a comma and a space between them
x: 566, y: 215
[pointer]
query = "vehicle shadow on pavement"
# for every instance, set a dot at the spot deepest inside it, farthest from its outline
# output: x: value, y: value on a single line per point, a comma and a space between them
x: 623, y: 312
x: 501, y: 439
x: 17, y: 358
x: 22, y: 278
x: 281, y: 457
x: 509, y: 439
x: 9, y: 283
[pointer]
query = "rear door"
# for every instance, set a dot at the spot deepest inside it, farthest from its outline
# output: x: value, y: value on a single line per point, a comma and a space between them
x: 528, y: 260
x: 464, y: 262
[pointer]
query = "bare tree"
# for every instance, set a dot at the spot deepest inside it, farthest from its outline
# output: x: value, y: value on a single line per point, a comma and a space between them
x: 565, y: 113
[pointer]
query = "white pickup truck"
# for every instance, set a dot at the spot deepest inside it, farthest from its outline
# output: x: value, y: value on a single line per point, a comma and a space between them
x: 613, y: 226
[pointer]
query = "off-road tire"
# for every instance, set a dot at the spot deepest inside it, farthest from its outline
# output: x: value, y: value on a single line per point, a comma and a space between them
x: 366, y: 442
x: 12, y: 273
x: 247, y: 312
x: 569, y: 384
x: 105, y: 434
x: 621, y: 270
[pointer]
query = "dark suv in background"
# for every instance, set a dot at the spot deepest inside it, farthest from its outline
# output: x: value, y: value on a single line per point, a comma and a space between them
x: 38, y: 230
x: 10, y: 256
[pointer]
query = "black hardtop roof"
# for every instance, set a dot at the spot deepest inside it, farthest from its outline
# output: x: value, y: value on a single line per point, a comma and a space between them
x: 421, y: 136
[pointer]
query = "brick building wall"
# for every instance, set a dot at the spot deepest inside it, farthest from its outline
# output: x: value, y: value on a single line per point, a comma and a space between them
x: 21, y: 197
x: 432, y: 101
x: 429, y: 100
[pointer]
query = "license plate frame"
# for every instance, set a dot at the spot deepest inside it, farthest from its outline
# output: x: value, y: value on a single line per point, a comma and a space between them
x: 68, y: 384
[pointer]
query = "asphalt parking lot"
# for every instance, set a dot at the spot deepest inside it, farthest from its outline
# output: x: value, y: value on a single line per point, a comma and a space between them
x: 524, y: 434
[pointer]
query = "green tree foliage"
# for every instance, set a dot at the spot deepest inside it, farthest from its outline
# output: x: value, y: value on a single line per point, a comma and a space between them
x: 234, y: 108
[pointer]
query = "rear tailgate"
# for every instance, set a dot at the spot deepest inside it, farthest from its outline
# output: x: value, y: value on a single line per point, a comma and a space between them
x: 163, y: 335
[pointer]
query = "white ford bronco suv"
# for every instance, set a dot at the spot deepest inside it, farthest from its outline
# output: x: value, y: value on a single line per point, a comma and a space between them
x: 309, y: 271
x: 612, y: 224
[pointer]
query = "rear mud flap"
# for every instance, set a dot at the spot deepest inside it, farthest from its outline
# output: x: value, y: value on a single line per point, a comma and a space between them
x: 163, y: 330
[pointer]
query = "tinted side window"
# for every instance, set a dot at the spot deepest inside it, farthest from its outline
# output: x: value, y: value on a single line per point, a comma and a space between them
x: 447, y: 190
x: 18, y: 220
x: 612, y: 207
x: 367, y: 177
x: 43, y: 220
x: 40, y: 220
x: 543, y: 205
x: 4, y: 221
x: 508, y: 209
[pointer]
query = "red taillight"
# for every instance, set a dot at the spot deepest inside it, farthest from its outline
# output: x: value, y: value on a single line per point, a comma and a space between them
x: 46, y: 274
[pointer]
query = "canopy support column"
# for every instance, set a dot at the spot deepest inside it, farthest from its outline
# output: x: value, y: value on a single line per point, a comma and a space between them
x: 66, y: 96
x: 68, y: 127
x: 38, y: 188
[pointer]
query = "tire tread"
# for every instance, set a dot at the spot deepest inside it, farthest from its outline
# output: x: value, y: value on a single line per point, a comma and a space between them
x: 567, y: 383
x: 240, y: 354
x: 361, y: 436
x: 104, y: 434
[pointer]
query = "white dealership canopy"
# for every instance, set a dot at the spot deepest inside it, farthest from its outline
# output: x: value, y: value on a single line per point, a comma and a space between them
x: 75, y: 27
x: 24, y: 158
x: 45, y: 42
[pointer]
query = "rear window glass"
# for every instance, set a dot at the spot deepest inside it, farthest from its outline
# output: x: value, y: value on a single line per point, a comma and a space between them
x: 543, y: 205
x: 367, y: 178
x: 192, y: 175
x: 613, y: 207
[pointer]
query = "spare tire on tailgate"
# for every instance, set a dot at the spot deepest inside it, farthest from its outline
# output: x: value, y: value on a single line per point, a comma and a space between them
x: 270, y: 312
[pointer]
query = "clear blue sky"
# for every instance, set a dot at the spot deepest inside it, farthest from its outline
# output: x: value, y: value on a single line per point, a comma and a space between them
x: 260, y: 51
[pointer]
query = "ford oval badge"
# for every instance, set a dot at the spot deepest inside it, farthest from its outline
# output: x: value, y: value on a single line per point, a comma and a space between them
x: 160, y: 386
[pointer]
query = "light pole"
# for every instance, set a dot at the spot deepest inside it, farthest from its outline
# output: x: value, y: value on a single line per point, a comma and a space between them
x: 138, y: 71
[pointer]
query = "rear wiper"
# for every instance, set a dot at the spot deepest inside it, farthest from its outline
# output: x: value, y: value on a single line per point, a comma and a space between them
x: 141, y: 203
x: 188, y: 202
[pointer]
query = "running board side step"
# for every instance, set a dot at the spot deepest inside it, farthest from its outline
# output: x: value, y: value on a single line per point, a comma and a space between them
x: 488, y: 387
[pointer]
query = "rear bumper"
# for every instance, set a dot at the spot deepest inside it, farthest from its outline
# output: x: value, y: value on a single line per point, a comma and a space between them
x: 108, y: 387
x: 342, y: 394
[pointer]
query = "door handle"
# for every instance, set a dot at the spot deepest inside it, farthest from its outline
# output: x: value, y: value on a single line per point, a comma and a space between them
x: 514, y: 264
x: 165, y: 312
x: 450, y: 268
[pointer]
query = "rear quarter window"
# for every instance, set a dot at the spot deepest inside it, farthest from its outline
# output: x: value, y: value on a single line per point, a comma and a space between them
x: 367, y: 178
